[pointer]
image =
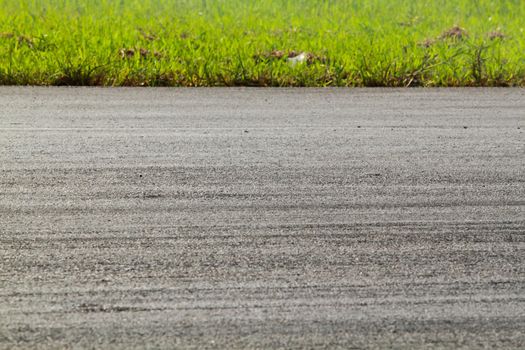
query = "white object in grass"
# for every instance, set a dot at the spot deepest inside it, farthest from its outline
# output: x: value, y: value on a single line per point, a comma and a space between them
x: 301, y: 58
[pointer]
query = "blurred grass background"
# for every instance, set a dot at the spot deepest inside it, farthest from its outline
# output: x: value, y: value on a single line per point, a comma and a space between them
x: 250, y: 43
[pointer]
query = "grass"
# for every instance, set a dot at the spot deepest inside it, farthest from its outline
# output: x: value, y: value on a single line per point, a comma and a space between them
x: 254, y: 43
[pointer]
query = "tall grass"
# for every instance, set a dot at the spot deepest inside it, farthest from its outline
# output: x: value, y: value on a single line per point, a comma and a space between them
x: 249, y: 42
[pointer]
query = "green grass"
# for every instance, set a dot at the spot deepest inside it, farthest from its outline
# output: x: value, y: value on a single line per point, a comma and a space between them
x: 247, y: 42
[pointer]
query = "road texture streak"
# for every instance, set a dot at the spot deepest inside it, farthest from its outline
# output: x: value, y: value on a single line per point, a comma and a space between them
x: 262, y: 218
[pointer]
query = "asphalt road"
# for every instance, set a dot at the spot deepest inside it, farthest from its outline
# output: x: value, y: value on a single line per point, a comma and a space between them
x: 262, y: 218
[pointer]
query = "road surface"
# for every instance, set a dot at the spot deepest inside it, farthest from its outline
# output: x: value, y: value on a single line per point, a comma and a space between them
x: 262, y: 218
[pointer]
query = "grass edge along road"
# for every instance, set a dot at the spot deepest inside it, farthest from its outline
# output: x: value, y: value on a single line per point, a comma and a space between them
x: 262, y: 43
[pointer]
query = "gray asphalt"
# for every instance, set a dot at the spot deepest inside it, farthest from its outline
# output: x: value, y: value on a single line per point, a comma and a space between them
x: 262, y: 218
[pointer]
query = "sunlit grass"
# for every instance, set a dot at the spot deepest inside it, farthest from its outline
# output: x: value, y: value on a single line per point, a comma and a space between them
x: 247, y: 42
